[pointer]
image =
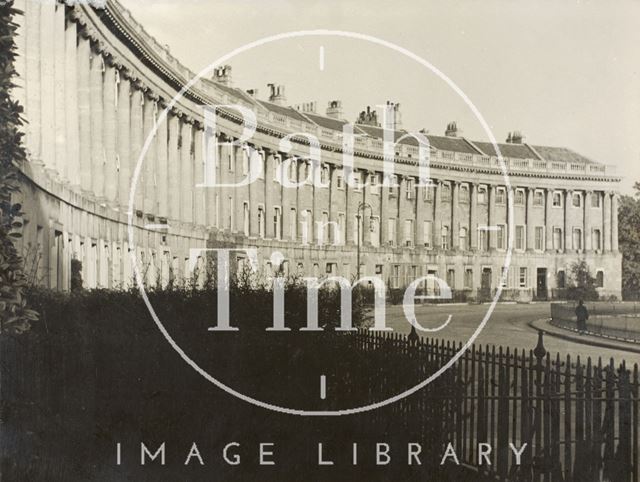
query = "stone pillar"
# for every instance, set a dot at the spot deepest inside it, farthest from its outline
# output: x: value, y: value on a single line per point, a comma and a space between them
x: 47, y: 84
x: 568, y: 194
x: 186, y: 172
x: 84, y: 112
x: 437, y: 218
x: 19, y: 93
x: 548, y: 227
x: 97, y: 117
x: 59, y: 92
x: 109, y: 134
x: 384, y: 213
x: 473, y: 216
x: 529, y: 219
x: 614, y: 222
x: 455, y: 221
x: 137, y: 99
x: 200, y: 206
x: 149, y: 167
x: 588, y: 242
x: 71, y: 101
x: 212, y: 195
x: 124, y: 141
x: 492, y: 235
x: 607, y: 228
x: 162, y: 173
x: 173, y: 194
x: 32, y: 52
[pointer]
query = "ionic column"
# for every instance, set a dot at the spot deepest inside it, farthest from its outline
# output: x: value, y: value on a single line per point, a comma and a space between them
x: 588, y: 242
x: 548, y: 227
x: 137, y: 99
x: 149, y: 161
x: 124, y: 140
x: 614, y: 222
x: 97, y: 117
x: 109, y: 134
x: 173, y: 193
x: 473, y: 216
x: 567, y: 225
x: 437, y: 218
x: 47, y: 83
x: 186, y: 172
x: 84, y: 112
x: 59, y: 92
x: 530, y: 244
x: 455, y: 223
x: 607, y: 227
x: 200, y: 205
x: 71, y: 101
x: 21, y: 49
x: 492, y: 235
x: 162, y: 166
x: 384, y: 212
x: 212, y: 195
x: 32, y: 67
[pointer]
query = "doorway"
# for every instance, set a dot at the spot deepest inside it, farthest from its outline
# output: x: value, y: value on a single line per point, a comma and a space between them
x: 541, y: 284
x: 485, y: 284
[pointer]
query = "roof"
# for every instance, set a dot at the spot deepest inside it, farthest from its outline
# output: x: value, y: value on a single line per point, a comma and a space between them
x: 456, y: 144
x: 282, y: 110
x: 562, y: 154
x: 326, y: 122
x: 515, y: 151
x: 442, y: 143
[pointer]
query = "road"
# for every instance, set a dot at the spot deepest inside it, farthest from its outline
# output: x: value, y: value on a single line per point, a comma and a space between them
x: 507, y: 326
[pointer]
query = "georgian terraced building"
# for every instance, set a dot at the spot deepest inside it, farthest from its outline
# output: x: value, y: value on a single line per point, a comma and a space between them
x: 93, y: 84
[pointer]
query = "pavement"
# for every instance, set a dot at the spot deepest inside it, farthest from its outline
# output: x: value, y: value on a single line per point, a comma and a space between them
x: 509, y: 325
x: 575, y: 336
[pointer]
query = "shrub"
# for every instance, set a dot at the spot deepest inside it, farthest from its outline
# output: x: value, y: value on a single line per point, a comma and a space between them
x: 582, y: 285
x: 14, y: 314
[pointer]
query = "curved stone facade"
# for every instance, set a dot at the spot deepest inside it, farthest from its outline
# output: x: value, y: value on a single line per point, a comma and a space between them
x: 94, y: 85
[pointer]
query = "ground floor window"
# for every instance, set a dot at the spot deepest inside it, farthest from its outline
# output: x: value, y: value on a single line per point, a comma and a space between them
x: 451, y: 278
x: 561, y: 279
x: 523, y: 278
x: 600, y: 279
x: 468, y: 278
x: 395, y: 276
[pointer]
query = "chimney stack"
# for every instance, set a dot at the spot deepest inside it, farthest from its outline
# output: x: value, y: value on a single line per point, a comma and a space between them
x: 392, y: 117
x: 452, y: 130
x: 334, y: 109
x: 277, y: 94
x: 307, y: 107
x: 368, y: 117
x: 253, y: 93
x: 515, y: 137
x: 223, y: 75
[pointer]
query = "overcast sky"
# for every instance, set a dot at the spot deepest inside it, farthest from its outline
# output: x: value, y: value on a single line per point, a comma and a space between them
x: 563, y: 73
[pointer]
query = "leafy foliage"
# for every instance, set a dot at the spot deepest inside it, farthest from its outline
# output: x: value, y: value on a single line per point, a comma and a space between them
x: 14, y: 314
x: 629, y: 243
x: 582, y: 284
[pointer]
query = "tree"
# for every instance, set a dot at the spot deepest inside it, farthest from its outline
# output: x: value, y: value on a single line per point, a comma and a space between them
x: 582, y: 285
x: 629, y: 243
x: 14, y: 314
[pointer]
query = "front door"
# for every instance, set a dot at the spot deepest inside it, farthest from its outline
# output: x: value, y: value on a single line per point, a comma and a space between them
x: 485, y: 284
x: 541, y: 284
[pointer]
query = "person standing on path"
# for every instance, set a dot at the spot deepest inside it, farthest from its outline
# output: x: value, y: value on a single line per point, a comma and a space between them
x: 582, y: 315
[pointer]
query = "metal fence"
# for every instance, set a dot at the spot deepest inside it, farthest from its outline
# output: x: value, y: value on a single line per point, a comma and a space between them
x: 579, y: 418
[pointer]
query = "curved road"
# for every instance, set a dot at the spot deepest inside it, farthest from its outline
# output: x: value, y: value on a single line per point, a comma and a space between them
x: 507, y: 326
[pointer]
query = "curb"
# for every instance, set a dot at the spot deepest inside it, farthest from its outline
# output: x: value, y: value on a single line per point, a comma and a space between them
x: 564, y: 334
